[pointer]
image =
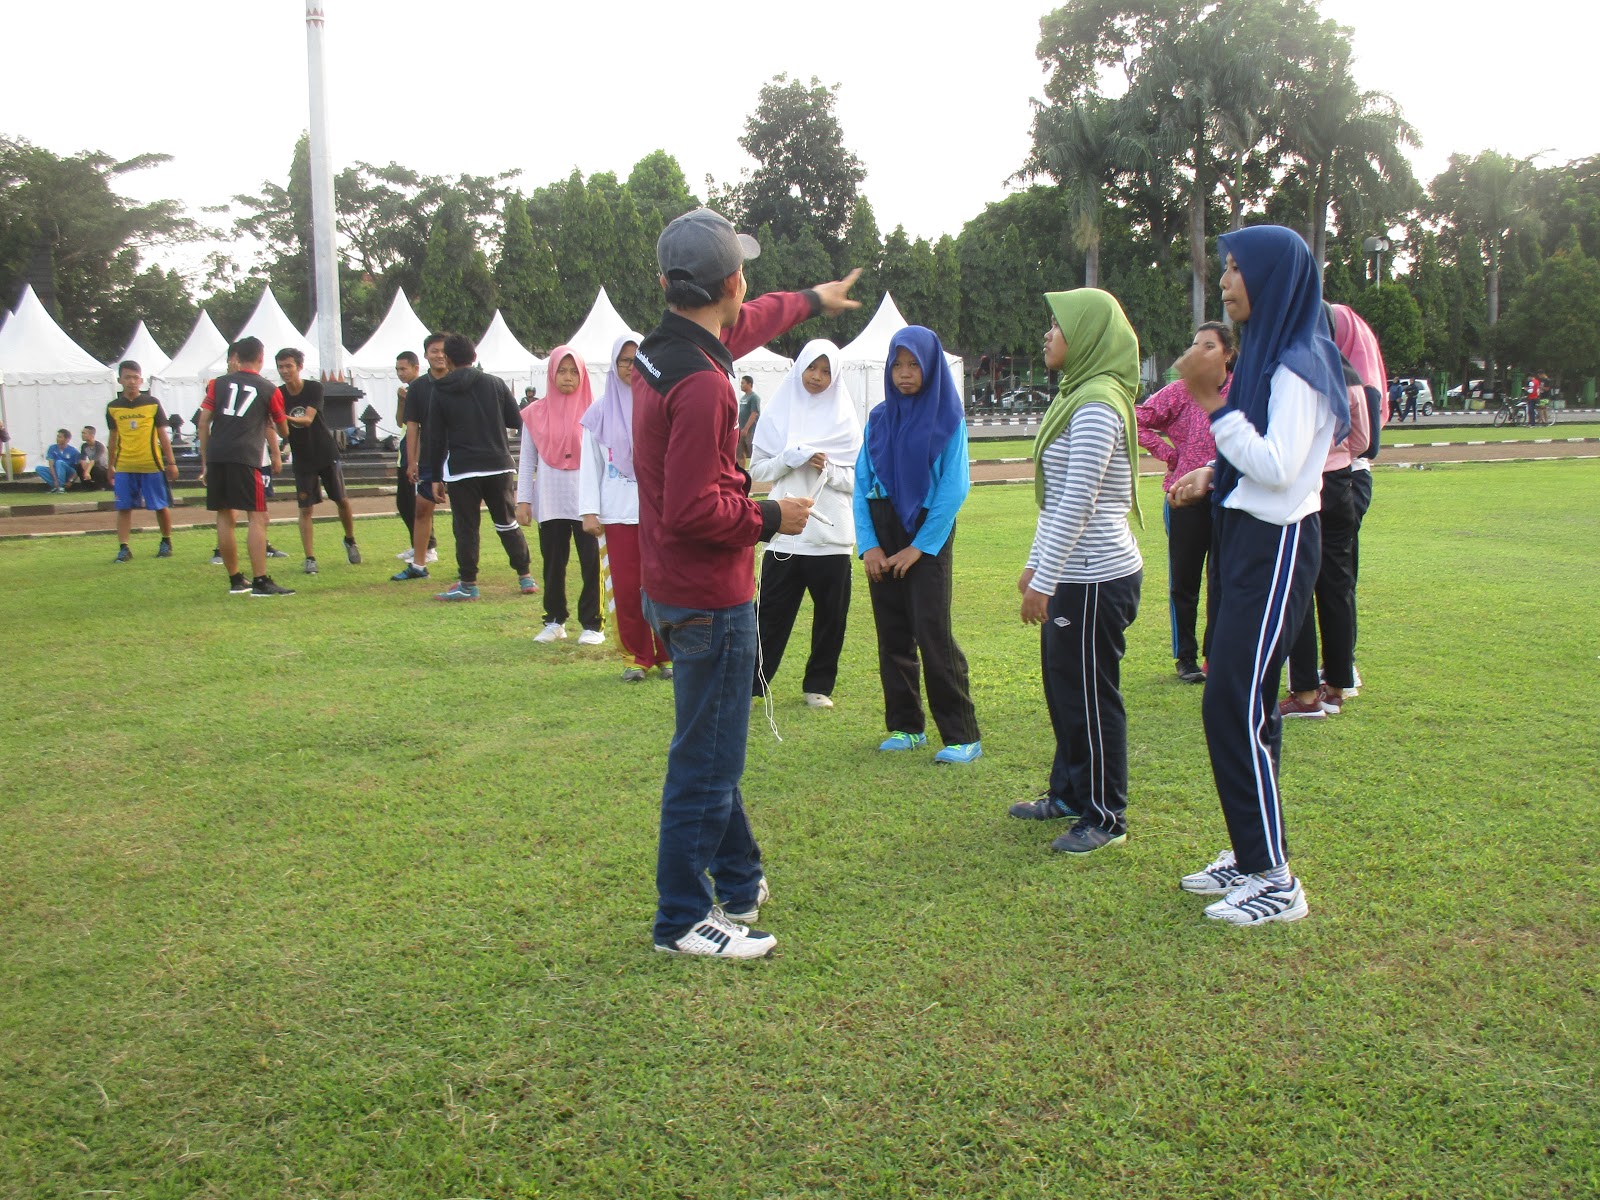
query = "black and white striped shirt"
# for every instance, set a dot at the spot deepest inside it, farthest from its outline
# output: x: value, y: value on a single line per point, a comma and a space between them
x: 1083, y: 534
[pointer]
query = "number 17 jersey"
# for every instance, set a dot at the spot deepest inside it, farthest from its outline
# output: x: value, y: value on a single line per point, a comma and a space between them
x: 243, y: 406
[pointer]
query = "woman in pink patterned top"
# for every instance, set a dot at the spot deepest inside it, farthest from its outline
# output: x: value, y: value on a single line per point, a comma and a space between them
x: 1175, y: 429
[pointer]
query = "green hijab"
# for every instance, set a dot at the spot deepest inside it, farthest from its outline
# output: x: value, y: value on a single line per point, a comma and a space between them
x: 1102, y: 367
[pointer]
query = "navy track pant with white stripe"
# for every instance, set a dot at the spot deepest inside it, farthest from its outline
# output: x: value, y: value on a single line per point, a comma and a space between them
x: 1266, y: 575
x: 1081, y: 645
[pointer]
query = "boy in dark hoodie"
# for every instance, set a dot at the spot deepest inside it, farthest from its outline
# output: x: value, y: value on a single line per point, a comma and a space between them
x: 465, y: 447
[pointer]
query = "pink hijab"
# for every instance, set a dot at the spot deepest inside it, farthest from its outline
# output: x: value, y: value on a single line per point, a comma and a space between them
x: 1359, y: 344
x: 552, y: 422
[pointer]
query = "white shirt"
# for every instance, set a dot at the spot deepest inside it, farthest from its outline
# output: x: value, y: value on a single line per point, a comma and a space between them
x: 835, y: 500
x: 602, y: 489
x: 1282, y: 469
x: 553, y: 493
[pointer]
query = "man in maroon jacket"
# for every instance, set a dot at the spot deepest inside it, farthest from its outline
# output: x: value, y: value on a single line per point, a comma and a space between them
x: 698, y: 528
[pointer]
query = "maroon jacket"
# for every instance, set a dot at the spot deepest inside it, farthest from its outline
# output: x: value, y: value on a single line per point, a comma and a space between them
x: 698, y: 526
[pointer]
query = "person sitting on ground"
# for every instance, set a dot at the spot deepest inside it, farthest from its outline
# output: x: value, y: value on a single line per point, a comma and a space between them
x: 93, y: 466
x: 60, y: 466
x: 912, y: 477
x: 806, y: 443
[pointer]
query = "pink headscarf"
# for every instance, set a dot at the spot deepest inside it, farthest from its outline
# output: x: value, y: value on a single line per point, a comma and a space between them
x: 552, y: 422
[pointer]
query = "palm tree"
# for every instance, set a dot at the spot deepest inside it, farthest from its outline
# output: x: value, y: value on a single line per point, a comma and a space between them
x: 1337, y: 131
x: 1083, y: 145
x: 1487, y: 197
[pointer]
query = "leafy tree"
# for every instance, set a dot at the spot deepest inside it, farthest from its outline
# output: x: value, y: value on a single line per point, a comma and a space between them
x: 1487, y: 198
x: 65, y: 229
x: 158, y: 298
x: 1552, y: 325
x: 525, y: 277
x: 457, y: 290
x: 634, y: 277
x: 908, y: 275
x: 660, y: 191
x: 1396, y: 319
x: 863, y: 247
x: 804, y: 177
x: 944, y: 310
x: 585, y: 248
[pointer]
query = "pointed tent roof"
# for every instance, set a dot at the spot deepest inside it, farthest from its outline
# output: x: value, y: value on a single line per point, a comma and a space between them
x: 400, y: 330
x: 204, y: 345
x: 32, y: 344
x: 144, y: 350
x: 761, y: 356
x: 603, y: 326
x: 872, y: 343
x: 500, y: 352
x: 272, y: 325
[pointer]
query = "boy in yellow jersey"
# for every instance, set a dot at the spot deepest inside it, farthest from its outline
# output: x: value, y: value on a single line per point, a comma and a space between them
x: 140, y: 458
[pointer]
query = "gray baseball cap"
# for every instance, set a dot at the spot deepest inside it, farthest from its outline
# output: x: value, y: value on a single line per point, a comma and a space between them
x: 703, y: 248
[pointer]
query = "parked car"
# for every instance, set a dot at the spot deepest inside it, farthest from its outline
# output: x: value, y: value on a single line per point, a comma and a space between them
x: 1024, y: 398
x: 1424, y: 395
x: 1473, y: 389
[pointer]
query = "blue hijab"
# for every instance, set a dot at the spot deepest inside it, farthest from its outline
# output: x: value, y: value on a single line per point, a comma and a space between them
x: 1286, y: 328
x: 907, y: 434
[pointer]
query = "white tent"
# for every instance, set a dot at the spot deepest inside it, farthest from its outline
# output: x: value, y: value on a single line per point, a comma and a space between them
x: 180, y: 384
x: 593, y: 341
x: 314, y: 340
x: 272, y: 325
x: 47, y: 380
x: 765, y: 368
x: 499, y: 353
x: 144, y: 350
x: 371, y: 368
x: 863, y: 360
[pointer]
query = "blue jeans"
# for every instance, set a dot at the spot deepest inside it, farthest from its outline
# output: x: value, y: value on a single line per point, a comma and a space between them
x: 705, y: 835
x: 55, y: 473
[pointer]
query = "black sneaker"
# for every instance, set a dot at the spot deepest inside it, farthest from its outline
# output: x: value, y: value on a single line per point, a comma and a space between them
x: 216, y: 558
x: 274, y: 552
x: 1045, y: 808
x: 1189, y: 671
x: 238, y: 585
x: 265, y: 587
x: 1084, y: 838
x: 350, y: 552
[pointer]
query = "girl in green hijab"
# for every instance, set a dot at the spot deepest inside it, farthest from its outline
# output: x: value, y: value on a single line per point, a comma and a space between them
x: 1081, y: 582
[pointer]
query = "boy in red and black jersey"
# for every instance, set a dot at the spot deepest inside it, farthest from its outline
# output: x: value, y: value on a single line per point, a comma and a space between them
x: 240, y: 412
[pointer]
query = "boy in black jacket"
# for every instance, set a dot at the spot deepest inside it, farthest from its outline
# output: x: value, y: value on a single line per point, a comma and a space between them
x: 464, y: 444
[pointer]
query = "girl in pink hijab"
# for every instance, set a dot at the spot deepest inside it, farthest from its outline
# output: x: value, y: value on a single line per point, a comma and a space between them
x: 547, y: 485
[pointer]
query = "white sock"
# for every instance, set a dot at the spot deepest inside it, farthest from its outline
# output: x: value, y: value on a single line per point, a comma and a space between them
x: 1278, y: 875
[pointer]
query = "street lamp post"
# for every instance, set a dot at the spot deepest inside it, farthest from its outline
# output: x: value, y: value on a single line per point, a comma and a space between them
x: 1376, y: 246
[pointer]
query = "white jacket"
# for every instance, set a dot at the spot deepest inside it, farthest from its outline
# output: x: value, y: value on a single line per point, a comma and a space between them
x: 791, y: 474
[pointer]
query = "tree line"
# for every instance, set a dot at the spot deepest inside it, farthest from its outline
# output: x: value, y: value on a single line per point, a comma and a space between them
x: 1163, y: 124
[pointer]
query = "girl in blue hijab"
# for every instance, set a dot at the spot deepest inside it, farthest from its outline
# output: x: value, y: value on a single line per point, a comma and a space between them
x: 911, y: 479
x: 1286, y: 405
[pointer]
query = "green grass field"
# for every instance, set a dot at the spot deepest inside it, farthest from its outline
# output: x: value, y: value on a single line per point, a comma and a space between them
x: 348, y: 895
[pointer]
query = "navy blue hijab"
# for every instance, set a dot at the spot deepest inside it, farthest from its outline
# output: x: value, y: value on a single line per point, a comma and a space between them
x: 907, y: 434
x: 1286, y: 328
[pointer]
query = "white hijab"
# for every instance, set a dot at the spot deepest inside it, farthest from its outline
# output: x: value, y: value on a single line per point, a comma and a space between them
x: 795, y: 419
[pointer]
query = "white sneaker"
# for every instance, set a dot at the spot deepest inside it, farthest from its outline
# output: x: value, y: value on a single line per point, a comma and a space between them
x: 433, y: 555
x: 763, y: 894
x: 715, y: 936
x: 818, y: 700
x: 1221, y: 877
x: 1257, y: 900
x: 551, y: 633
x: 407, y: 555
x: 589, y: 637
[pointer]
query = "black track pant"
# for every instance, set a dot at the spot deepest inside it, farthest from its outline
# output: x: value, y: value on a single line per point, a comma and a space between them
x: 497, y: 493
x: 785, y: 580
x: 1335, y: 608
x: 913, y: 618
x: 1188, y: 545
x: 555, y: 538
x: 1361, y: 495
x: 1081, y: 645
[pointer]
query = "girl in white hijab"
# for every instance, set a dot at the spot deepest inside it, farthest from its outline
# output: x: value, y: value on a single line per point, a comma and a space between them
x: 806, y: 444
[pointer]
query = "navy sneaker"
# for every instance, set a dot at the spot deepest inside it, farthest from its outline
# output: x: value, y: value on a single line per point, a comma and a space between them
x: 409, y: 572
x: 1084, y: 838
x: 123, y: 555
x: 1045, y: 808
x: 165, y: 549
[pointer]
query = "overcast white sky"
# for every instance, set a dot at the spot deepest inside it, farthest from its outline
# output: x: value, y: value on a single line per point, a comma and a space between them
x: 937, y: 108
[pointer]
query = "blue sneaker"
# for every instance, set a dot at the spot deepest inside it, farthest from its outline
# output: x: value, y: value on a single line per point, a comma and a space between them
x: 459, y: 591
x: 409, y: 572
x: 165, y: 551
x: 904, y: 741
x: 123, y: 555
x: 964, y: 752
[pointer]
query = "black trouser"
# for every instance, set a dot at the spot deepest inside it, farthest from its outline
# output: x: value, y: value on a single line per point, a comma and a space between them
x: 1188, y: 544
x: 1081, y: 665
x: 1361, y: 497
x: 1266, y: 577
x: 554, y: 547
x: 497, y: 493
x: 912, y: 616
x: 1335, y: 592
x: 785, y: 579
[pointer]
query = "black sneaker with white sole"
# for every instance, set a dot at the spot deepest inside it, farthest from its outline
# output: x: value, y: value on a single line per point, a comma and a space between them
x: 238, y: 585
x: 265, y: 587
x: 715, y: 936
x: 351, y: 552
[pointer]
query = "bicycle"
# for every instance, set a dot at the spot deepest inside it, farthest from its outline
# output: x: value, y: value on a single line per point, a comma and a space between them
x: 1514, y: 411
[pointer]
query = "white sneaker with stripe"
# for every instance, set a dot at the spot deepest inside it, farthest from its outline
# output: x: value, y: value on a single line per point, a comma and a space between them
x: 1220, y: 877
x: 1257, y: 900
x: 715, y: 936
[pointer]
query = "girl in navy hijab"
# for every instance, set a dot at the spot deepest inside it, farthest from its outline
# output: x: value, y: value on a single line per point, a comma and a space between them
x: 911, y: 479
x: 1286, y: 406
